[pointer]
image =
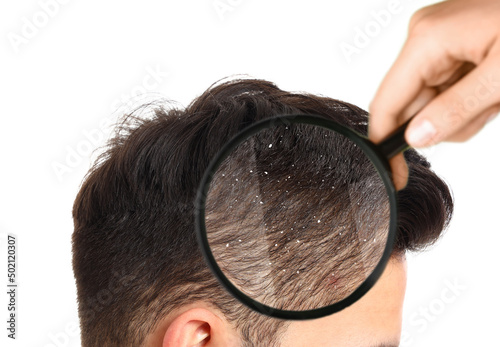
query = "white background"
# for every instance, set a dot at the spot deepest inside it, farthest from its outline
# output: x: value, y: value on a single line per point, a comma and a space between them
x: 68, y: 73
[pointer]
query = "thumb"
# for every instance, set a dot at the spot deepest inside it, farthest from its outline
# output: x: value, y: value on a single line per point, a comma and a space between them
x: 456, y: 107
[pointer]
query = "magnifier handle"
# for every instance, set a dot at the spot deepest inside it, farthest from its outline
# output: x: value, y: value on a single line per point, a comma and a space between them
x: 395, y: 142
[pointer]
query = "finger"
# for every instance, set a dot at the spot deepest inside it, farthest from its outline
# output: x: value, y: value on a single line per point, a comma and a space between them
x: 474, y: 94
x: 422, y: 65
x: 493, y: 116
x: 398, y: 164
x: 429, y: 93
x: 401, y: 85
x: 399, y: 170
x: 424, y: 97
x: 475, y: 125
x: 454, y: 77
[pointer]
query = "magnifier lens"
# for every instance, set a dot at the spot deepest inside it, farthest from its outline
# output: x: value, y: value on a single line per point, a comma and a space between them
x: 297, y: 217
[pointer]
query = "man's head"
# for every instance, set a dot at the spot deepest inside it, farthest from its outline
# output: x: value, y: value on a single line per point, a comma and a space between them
x: 141, y: 278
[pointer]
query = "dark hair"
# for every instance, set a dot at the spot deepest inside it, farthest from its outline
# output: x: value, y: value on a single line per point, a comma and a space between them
x: 135, y: 253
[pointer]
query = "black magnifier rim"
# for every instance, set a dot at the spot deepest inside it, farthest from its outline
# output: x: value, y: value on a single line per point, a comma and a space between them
x: 374, y: 153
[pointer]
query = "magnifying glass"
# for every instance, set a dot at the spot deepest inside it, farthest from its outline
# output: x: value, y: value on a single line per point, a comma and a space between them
x: 296, y: 215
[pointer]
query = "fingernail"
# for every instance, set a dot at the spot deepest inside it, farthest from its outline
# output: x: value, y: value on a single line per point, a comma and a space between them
x: 420, y: 134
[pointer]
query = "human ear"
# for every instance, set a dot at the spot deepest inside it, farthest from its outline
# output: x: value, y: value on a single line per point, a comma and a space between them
x: 198, y: 327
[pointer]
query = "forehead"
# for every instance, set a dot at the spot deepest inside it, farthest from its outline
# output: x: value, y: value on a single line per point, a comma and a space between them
x: 373, y: 321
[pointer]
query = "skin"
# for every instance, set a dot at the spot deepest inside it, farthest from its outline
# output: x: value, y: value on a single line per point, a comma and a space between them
x: 447, y: 75
x: 373, y: 321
